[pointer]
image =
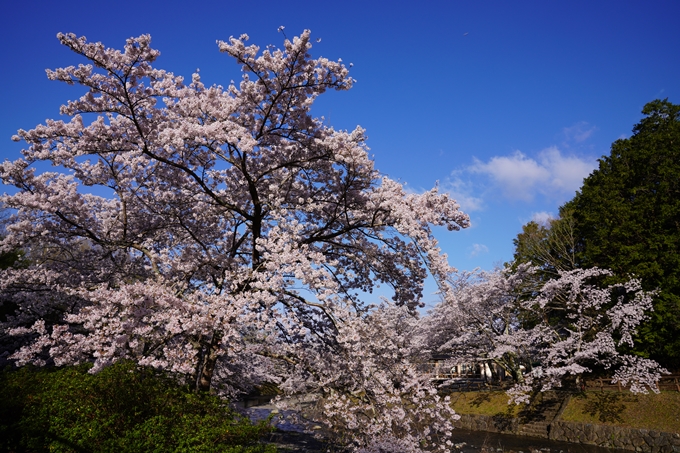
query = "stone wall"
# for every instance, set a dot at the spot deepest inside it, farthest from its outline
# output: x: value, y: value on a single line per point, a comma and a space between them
x: 489, y: 423
x: 641, y: 440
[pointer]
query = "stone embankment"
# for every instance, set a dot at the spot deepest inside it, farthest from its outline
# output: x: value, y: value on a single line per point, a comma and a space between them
x: 640, y: 440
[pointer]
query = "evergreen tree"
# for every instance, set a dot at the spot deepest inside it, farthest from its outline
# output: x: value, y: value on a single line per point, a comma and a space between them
x: 627, y: 219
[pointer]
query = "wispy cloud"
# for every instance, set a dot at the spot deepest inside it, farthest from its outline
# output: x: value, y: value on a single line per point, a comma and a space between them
x: 462, y: 191
x: 520, y: 177
x: 517, y: 174
x: 542, y: 218
x: 477, y: 249
x: 579, y: 132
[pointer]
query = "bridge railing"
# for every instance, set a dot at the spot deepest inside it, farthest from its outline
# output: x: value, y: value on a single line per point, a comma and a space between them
x: 470, y: 378
x: 669, y: 382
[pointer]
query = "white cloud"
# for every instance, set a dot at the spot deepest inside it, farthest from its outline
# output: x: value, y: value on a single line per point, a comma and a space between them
x: 566, y: 172
x: 520, y: 177
x: 457, y: 189
x: 477, y: 249
x: 516, y: 174
x: 579, y: 132
x: 461, y: 191
x: 542, y: 218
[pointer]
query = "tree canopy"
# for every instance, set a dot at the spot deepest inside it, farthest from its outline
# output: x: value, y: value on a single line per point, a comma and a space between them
x: 221, y: 233
x: 626, y: 218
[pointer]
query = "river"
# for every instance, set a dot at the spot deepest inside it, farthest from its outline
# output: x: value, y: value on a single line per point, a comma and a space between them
x: 477, y: 441
x: 293, y: 438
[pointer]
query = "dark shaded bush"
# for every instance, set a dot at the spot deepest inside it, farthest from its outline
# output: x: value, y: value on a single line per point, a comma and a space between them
x: 123, y: 408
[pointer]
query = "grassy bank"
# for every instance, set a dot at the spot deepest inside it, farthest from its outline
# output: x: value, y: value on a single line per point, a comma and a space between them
x: 483, y: 403
x: 659, y: 412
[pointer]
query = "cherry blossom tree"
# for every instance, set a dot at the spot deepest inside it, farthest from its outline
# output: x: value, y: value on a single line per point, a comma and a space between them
x: 223, y: 233
x: 372, y: 394
x: 477, y: 318
x: 544, y: 334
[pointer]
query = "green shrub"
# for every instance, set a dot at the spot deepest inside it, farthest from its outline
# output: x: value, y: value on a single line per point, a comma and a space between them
x: 121, y: 409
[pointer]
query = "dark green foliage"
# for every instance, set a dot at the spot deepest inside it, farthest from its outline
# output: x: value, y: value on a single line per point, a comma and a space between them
x: 121, y: 409
x: 9, y: 258
x: 13, y: 257
x: 627, y: 219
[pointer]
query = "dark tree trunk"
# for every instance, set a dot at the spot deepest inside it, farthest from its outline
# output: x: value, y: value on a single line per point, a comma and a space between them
x: 206, y: 363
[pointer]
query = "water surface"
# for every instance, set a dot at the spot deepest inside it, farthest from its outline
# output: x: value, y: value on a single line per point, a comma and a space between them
x: 294, y: 438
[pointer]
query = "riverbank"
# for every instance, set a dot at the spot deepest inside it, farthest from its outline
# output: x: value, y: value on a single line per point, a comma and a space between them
x: 645, y: 423
x: 465, y: 441
x: 593, y: 422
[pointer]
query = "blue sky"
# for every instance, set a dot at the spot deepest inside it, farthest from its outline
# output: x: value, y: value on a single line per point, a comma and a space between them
x: 507, y: 104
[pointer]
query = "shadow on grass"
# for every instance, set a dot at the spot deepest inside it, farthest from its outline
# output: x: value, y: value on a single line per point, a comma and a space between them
x: 543, y: 407
x: 607, y: 406
x: 481, y: 398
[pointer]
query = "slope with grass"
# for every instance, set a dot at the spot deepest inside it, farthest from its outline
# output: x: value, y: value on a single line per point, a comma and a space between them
x: 659, y: 412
